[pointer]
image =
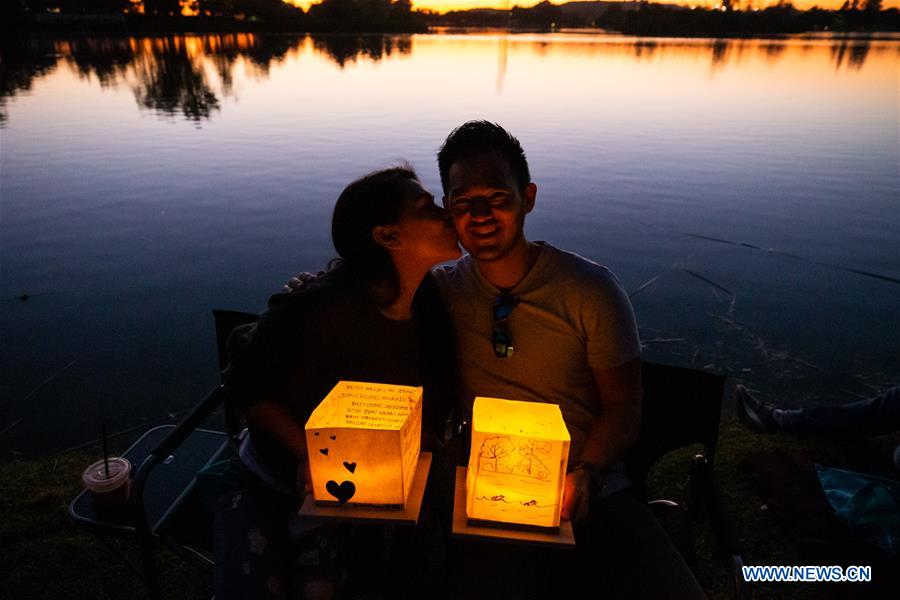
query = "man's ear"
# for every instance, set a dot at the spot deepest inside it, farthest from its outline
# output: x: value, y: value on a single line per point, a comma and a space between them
x: 387, y: 236
x: 529, y: 196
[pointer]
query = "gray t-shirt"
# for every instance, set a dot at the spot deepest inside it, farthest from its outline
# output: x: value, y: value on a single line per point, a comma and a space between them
x: 572, y: 316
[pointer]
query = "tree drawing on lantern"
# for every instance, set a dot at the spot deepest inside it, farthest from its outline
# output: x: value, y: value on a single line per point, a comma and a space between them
x: 493, y: 449
x: 534, y: 453
x: 498, y: 454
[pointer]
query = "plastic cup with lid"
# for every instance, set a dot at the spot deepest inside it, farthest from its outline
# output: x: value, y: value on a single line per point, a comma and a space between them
x: 110, y: 490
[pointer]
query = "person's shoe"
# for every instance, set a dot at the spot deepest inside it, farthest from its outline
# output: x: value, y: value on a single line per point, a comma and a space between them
x: 753, y: 412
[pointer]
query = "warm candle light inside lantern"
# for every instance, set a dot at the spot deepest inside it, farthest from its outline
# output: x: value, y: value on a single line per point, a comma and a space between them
x: 517, y: 464
x: 363, y: 442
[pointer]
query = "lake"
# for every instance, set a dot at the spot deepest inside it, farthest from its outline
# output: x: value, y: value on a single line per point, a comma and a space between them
x: 746, y: 192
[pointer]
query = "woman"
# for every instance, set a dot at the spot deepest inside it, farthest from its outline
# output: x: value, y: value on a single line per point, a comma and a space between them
x: 376, y: 317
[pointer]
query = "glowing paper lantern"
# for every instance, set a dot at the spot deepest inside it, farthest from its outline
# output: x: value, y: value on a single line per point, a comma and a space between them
x: 363, y: 442
x: 517, y: 466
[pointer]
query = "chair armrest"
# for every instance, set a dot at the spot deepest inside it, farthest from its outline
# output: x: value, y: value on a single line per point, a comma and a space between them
x: 187, y: 425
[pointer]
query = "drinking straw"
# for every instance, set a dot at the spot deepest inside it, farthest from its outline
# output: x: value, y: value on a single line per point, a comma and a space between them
x: 105, y: 451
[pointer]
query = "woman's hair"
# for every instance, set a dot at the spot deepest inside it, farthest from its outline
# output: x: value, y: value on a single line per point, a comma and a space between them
x: 370, y: 201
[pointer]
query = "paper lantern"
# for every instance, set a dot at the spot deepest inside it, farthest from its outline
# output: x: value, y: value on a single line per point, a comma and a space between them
x: 517, y: 465
x: 363, y: 443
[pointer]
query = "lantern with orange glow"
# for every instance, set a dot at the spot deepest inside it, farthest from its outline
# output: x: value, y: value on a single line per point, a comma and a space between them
x: 517, y: 465
x: 363, y: 443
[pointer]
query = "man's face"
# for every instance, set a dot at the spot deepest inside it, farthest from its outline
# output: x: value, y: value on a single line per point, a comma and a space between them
x: 486, y: 205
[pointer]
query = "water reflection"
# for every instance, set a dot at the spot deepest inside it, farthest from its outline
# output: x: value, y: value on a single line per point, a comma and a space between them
x: 853, y: 52
x: 720, y: 52
x: 502, y: 60
x: 773, y: 51
x: 173, y: 83
x: 345, y: 49
x: 645, y: 49
x: 170, y: 75
x: 106, y: 59
x: 189, y: 76
x: 20, y: 64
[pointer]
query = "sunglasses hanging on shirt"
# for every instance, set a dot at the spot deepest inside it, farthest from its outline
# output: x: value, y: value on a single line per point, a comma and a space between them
x: 501, y: 338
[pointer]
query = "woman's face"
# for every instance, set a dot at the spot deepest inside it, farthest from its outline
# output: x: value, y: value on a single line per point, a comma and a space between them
x: 424, y: 228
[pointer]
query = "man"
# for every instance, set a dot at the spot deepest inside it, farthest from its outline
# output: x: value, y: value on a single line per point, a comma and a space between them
x: 540, y: 324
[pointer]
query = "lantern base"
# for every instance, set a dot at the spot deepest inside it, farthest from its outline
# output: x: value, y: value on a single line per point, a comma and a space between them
x: 463, y: 527
x: 514, y: 526
x: 402, y: 515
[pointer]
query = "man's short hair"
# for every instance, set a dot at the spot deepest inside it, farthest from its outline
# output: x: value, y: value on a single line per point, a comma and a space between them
x: 476, y: 138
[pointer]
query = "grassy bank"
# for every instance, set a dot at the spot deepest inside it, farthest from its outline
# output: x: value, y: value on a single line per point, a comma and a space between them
x: 45, y: 556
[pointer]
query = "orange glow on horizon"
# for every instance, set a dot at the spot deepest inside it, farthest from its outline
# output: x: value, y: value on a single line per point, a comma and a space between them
x: 189, y: 8
x: 443, y: 6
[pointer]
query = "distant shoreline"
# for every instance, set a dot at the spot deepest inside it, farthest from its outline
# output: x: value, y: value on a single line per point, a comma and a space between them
x: 140, y: 24
x: 662, y: 23
x: 862, y: 36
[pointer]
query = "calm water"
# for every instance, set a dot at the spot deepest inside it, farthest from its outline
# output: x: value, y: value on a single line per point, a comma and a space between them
x: 746, y: 192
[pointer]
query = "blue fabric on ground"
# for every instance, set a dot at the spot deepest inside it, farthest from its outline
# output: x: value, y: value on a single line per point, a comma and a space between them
x: 870, y: 505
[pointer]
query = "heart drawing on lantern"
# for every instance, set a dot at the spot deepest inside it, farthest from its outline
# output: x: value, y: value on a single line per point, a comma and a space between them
x: 350, y: 466
x: 342, y: 492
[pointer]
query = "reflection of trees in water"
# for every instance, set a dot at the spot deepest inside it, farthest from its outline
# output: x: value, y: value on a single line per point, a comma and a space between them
x: 174, y: 83
x: 169, y: 74
x: 644, y: 49
x: 270, y: 50
x: 773, y: 51
x: 260, y: 51
x: 853, y: 52
x: 21, y: 61
x: 223, y: 51
x: 107, y: 59
x: 189, y: 75
x: 344, y: 49
x: 720, y: 51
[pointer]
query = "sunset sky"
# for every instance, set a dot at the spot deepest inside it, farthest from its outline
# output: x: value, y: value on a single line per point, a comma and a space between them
x: 446, y: 5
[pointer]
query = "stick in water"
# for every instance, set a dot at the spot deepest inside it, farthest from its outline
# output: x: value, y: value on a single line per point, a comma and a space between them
x: 105, y: 451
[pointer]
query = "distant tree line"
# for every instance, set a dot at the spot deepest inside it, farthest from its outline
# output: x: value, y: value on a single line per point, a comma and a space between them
x: 651, y: 19
x: 645, y: 18
x: 631, y: 17
x: 247, y: 9
x: 367, y: 15
x: 540, y: 16
x: 328, y: 15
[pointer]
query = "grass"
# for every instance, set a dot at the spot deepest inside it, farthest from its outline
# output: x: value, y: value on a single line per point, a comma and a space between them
x: 761, y: 539
x: 45, y: 556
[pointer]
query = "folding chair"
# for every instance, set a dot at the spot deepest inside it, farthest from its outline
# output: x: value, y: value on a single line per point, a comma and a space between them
x: 164, y: 507
x: 682, y: 407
